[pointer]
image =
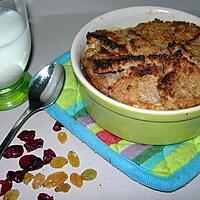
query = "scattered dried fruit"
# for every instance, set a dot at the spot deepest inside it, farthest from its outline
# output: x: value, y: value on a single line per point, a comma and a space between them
x: 73, y: 159
x: 57, y: 126
x: 6, y: 185
x: 28, y: 177
x: 13, y: 151
x: 16, y: 176
x: 49, y: 154
x: 34, y: 144
x: 30, y: 162
x: 62, y: 137
x: 11, y: 195
x: 76, y: 180
x: 44, y: 196
x: 55, y: 179
x: 26, y: 135
x: 38, y: 181
x: 88, y: 175
x: 58, y: 162
x: 63, y: 187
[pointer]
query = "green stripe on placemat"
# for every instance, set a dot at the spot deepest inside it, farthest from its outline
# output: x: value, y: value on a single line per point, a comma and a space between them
x: 145, y: 155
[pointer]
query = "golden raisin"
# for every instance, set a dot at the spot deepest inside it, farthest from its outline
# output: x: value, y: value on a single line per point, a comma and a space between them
x: 12, y: 194
x: 88, y: 175
x: 58, y: 162
x: 63, y: 187
x: 28, y: 177
x: 73, y: 159
x: 76, y: 180
x: 62, y: 137
x: 38, y: 181
x: 55, y: 179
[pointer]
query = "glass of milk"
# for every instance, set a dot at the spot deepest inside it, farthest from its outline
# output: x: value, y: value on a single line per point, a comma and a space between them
x: 15, y: 47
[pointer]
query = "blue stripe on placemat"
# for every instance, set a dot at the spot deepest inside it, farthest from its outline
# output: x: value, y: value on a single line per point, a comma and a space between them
x: 73, y: 109
x: 63, y: 58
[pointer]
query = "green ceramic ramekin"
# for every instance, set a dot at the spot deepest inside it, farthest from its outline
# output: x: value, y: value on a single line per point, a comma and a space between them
x: 128, y: 122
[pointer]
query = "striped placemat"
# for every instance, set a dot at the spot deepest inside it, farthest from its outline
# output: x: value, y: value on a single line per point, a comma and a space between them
x: 165, y: 168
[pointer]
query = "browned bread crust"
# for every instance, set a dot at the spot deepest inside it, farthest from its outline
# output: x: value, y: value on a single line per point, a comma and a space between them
x: 154, y: 65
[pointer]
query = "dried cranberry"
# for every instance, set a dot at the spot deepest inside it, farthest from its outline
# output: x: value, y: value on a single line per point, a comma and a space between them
x: 44, y: 196
x: 57, y: 126
x: 30, y: 162
x: 26, y: 135
x: 34, y: 144
x: 13, y: 151
x: 6, y: 185
x: 16, y: 176
x: 48, y: 156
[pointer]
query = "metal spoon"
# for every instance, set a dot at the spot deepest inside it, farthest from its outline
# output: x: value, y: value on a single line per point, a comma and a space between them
x: 44, y: 89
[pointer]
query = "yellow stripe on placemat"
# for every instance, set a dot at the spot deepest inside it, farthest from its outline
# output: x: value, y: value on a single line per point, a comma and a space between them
x: 196, y: 142
x: 120, y: 145
x: 94, y: 128
x: 176, y: 159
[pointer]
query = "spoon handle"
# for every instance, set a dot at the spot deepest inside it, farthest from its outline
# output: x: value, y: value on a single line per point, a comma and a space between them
x: 6, y: 142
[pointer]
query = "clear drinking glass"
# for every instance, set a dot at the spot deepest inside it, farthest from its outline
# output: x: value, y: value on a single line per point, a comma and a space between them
x: 15, y: 47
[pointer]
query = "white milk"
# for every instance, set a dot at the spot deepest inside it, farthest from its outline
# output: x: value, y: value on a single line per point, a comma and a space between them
x: 15, y: 45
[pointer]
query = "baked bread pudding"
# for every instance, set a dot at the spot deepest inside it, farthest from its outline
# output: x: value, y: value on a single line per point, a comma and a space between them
x: 154, y: 65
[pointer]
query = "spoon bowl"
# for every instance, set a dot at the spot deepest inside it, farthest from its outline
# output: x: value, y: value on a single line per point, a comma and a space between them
x: 44, y: 89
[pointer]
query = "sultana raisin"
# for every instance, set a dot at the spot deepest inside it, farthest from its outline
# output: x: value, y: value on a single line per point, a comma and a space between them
x: 30, y: 162
x: 63, y: 187
x: 58, y: 162
x: 88, y: 175
x: 62, y: 137
x: 11, y: 195
x: 6, y: 185
x: 34, y: 144
x: 16, y: 176
x: 57, y: 126
x: 76, y: 180
x: 44, y: 196
x: 28, y: 177
x: 13, y: 151
x: 55, y: 179
x: 73, y: 159
x: 49, y: 154
x: 26, y: 135
x: 38, y: 181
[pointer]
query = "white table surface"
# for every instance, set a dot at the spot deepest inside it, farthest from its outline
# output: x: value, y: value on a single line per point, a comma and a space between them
x: 54, y: 24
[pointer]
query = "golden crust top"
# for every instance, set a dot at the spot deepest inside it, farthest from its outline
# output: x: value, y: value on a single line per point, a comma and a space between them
x: 154, y: 65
